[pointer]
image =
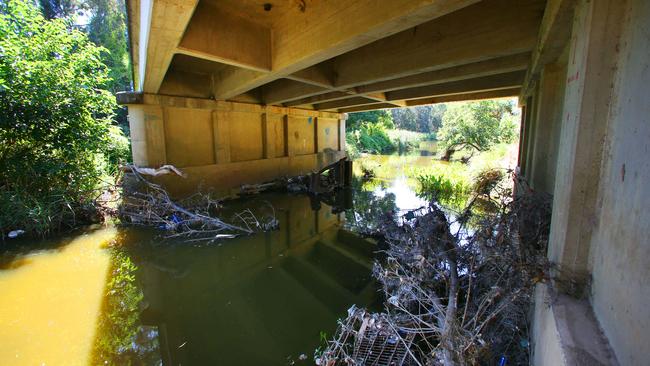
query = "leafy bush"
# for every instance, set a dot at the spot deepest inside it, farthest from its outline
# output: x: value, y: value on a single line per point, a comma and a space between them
x: 371, y: 137
x: 381, y: 116
x: 55, y: 120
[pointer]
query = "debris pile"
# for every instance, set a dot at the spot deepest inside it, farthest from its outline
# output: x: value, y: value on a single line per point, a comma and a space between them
x: 452, y: 298
x: 196, y: 217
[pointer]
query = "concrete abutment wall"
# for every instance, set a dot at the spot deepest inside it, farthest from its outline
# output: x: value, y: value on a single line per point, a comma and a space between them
x: 586, y: 141
x: 223, y: 145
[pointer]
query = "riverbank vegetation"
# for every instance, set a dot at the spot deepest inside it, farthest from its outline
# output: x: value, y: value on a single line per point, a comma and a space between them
x: 467, y: 139
x: 396, y: 131
x: 59, y: 141
x: 466, y: 128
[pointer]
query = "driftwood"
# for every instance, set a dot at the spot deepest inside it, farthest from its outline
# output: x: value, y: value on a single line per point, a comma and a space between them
x: 163, y: 170
x: 195, y: 217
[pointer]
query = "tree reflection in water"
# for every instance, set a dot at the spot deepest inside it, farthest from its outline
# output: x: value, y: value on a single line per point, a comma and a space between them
x: 120, y: 338
x: 369, y: 207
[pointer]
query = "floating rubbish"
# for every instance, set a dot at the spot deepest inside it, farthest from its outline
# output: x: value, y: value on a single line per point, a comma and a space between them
x: 16, y: 233
x: 225, y: 236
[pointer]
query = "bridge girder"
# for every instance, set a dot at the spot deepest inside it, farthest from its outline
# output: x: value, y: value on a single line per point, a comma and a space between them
x: 334, y: 55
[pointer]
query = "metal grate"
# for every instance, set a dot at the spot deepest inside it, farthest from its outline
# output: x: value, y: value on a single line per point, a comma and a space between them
x: 376, y: 346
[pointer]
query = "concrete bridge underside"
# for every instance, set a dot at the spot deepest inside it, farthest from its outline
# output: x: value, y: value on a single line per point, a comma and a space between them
x: 244, y: 91
x: 241, y: 91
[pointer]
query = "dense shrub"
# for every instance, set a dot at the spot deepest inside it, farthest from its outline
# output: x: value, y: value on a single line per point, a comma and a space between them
x: 371, y: 137
x: 56, y: 139
x: 381, y: 116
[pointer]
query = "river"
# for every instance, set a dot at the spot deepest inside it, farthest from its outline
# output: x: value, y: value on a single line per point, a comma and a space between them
x: 114, y: 295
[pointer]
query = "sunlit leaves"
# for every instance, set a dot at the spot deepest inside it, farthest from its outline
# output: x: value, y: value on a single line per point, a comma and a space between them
x: 55, y: 115
x: 477, y: 125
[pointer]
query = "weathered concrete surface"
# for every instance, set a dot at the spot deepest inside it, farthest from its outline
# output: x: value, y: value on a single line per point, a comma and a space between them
x: 566, y: 332
x: 590, y: 72
x: 547, y: 129
x: 222, y: 145
x: 620, y: 254
x: 546, y: 346
x: 600, y: 223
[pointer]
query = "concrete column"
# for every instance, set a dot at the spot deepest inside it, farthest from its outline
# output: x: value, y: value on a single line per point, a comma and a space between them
x: 147, y: 135
x: 546, y: 128
x: 268, y: 136
x: 221, y: 130
x: 589, y: 92
x: 524, y: 135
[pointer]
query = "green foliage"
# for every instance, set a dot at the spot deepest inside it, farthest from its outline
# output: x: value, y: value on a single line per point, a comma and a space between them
x: 426, y: 119
x: 477, y: 125
x: 52, y: 9
x: 407, y: 119
x: 55, y: 118
x: 118, y: 151
x: 107, y: 28
x: 371, y: 137
x: 405, y: 141
x: 383, y: 117
x: 443, y: 189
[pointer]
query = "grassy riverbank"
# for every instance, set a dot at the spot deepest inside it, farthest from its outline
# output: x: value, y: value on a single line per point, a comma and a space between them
x: 427, y: 175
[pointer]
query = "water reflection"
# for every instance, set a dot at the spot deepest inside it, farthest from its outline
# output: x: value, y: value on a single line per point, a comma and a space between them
x: 255, y: 300
x: 261, y: 299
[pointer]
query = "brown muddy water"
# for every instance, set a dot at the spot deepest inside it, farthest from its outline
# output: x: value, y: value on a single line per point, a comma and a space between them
x: 113, y: 295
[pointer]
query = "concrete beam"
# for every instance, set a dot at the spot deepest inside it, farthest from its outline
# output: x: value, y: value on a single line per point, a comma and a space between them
x: 554, y: 33
x: 299, y: 42
x: 494, y: 82
x: 232, y: 40
x: 163, y: 37
x: 349, y: 102
x: 492, y: 94
x: 285, y: 90
x: 321, y: 98
x: 367, y: 107
x: 498, y: 65
x: 487, y: 30
x: 320, y: 75
x: 293, y: 96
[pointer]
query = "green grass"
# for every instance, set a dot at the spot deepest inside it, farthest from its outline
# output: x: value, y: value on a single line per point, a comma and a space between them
x: 451, y: 182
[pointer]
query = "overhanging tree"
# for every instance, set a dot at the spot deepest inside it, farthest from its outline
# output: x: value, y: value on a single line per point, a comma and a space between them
x: 476, y: 126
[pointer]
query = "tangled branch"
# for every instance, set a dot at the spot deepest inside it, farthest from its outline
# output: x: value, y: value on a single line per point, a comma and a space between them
x: 195, y: 217
x: 454, y: 298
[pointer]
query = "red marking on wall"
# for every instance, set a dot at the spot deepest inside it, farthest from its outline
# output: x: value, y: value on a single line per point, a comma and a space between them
x: 573, y: 77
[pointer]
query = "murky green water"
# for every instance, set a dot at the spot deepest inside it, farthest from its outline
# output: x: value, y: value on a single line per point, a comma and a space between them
x: 125, y: 296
